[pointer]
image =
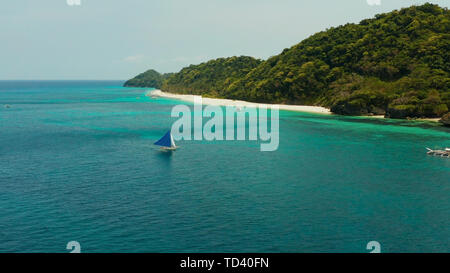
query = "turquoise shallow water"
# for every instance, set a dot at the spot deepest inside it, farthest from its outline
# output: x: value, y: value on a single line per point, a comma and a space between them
x: 77, y: 163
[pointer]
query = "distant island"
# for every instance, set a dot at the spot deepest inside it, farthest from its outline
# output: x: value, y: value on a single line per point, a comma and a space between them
x: 396, y: 64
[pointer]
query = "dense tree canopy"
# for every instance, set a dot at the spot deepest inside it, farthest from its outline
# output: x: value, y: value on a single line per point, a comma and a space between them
x: 210, y: 78
x: 150, y: 78
x: 396, y: 64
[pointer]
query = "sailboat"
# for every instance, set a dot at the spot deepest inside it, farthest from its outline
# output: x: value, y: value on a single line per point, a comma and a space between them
x: 166, y: 142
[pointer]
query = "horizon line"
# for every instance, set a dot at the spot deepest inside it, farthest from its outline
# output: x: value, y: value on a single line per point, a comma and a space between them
x: 61, y: 80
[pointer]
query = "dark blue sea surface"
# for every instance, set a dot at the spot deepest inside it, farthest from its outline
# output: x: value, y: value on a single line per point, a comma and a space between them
x: 77, y: 163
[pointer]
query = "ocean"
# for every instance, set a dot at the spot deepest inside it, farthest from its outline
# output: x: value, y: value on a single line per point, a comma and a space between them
x: 77, y: 163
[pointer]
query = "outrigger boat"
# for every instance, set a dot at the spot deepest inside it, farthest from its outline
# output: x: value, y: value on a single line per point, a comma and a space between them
x: 443, y: 153
x: 166, y: 142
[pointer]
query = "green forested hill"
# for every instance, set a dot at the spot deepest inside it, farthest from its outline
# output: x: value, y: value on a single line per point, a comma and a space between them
x: 210, y: 78
x: 396, y: 64
x: 149, y: 78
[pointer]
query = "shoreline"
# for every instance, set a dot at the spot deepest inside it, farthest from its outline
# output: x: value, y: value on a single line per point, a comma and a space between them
x: 411, y: 119
x: 241, y: 103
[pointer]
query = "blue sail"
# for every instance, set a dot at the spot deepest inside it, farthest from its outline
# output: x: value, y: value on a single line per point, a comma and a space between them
x: 165, y: 141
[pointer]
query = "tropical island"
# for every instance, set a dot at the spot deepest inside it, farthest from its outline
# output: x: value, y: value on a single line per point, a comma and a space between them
x: 396, y: 65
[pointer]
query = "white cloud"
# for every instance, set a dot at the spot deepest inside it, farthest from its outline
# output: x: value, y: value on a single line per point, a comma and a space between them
x: 134, y: 59
x: 374, y: 2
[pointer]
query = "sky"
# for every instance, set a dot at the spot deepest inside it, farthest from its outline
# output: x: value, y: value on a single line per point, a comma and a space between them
x: 118, y: 39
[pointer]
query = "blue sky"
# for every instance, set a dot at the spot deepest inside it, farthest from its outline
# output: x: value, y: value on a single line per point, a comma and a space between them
x: 117, y: 39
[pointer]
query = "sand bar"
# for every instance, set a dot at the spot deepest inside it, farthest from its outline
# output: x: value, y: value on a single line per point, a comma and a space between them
x: 239, y: 103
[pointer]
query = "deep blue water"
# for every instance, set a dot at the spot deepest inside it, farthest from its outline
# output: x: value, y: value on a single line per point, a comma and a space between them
x: 77, y: 163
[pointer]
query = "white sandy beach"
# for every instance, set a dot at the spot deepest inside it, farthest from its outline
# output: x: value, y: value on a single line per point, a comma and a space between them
x: 240, y: 103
